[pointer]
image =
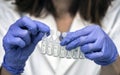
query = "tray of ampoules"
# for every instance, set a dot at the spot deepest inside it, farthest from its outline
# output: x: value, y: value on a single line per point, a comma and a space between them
x: 51, y: 46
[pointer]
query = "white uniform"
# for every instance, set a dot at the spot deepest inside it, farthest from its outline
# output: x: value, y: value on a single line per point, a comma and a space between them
x: 39, y: 64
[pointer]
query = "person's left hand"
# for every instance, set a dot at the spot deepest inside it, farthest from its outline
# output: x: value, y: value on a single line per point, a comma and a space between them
x: 94, y: 43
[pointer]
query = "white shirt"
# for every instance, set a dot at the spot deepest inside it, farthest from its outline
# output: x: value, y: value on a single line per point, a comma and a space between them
x: 39, y: 64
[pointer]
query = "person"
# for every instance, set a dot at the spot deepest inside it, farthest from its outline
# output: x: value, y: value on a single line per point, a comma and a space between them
x: 92, y: 25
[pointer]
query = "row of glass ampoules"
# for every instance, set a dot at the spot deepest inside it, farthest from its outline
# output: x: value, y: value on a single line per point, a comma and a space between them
x: 51, y: 46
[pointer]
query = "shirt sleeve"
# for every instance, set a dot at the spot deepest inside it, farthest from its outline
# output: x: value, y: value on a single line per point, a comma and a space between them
x: 115, y: 28
x: 115, y: 33
x: 8, y: 16
x: 111, y: 23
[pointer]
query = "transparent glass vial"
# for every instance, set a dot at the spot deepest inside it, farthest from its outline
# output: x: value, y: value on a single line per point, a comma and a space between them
x: 81, y: 55
x: 63, y: 51
x: 44, y: 45
x: 56, y: 45
x: 76, y: 53
x: 69, y: 54
x: 50, y: 44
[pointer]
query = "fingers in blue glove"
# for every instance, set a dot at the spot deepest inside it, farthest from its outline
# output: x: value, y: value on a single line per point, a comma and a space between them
x: 74, y: 35
x: 94, y: 55
x: 43, y: 28
x: 20, y: 41
x: 24, y: 27
x: 94, y: 43
x: 38, y: 38
x: 91, y: 47
x: 92, y: 50
x: 27, y: 24
x: 23, y: 34
x: 13, y: 42
x: 80, y: 41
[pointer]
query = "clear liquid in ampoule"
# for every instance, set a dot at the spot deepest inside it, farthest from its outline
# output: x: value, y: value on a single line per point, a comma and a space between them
x: 56, y: 45
x: 63, y: 51
x: 50, y: 44
x: 81, y: 55
x: 76, y: 53
x: 69, y: 54
x: 44, y: 45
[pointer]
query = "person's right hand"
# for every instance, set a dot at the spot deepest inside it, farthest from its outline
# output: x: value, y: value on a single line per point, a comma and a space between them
x: 20, y: 42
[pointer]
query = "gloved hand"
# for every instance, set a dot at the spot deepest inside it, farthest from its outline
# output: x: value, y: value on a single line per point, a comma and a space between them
x: 20, y: 42
x: 94, y: 43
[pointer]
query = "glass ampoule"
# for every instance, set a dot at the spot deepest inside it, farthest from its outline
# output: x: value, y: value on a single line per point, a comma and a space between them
x: 43, y: 44
x: 69, y: 54
x: 50, y: 44
x: 63, y: 51
x: 56, y: 45
x: 76, y: 53
x: 81, y: 55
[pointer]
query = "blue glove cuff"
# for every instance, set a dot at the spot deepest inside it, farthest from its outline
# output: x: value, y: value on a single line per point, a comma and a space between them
x: 12, y: 70
x: 107, y: 62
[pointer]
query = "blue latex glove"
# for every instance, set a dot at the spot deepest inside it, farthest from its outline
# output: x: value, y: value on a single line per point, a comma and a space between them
x: 94, y: 43
x: 20, y: 42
